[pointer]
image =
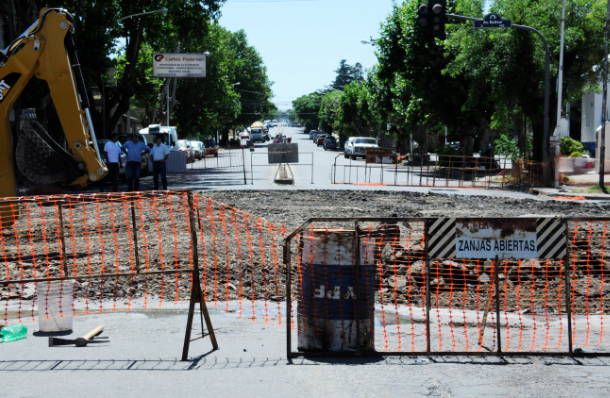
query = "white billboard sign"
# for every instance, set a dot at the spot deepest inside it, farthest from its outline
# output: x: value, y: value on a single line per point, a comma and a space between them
x: 179, y: 65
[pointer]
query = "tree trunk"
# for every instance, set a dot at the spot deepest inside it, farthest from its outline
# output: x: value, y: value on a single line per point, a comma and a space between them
x: 422, y: 139
x: 467, y: 142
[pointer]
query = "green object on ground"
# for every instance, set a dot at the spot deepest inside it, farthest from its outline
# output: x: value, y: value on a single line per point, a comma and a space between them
x: 13, y: 332
x: 592, y: 189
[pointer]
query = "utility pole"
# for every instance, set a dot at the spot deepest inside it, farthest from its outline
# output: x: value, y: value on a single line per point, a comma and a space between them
x: 602, y: 149
x: 559, y: 96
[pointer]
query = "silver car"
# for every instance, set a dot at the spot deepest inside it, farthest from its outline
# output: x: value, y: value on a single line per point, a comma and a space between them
x: 198, y: 149
x: 356, y: 146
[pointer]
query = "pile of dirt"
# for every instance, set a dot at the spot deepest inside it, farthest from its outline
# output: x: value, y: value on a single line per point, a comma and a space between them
x: 292, y: 208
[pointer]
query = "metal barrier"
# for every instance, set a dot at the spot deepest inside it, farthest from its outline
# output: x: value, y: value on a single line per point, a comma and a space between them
x: 548, y: 298
x: 253, y: 165
x: 443, y: 171
x: 228, y: 160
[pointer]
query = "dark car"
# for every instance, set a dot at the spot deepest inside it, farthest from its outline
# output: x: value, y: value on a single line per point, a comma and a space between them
x: 211, y: 147
x: 320, y: 139
x: 330, y: 143
x: 311, y: 133
x: 315, y: 136
x: 306, y: 130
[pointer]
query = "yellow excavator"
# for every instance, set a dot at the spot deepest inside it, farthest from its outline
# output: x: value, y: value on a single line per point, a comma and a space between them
x: 46, y: 50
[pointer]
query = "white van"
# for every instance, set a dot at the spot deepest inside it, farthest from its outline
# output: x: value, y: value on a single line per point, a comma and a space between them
x: 169, y: 134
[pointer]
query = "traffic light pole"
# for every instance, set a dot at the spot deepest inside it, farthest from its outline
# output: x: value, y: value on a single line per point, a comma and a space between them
x: 545, y: 138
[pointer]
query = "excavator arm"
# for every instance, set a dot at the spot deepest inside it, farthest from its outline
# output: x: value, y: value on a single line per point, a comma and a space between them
x: 46, y: 51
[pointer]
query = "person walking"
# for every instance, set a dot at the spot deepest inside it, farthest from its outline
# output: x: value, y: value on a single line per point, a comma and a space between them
x: 159, y: 153
x: 113, y: 152
x: 134, y: 161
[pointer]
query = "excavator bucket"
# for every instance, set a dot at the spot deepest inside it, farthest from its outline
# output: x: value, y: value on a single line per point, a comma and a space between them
x: 39, y: 158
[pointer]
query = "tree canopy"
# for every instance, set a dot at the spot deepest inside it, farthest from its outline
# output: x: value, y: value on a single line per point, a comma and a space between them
x: 116, y: 59
x: 476, y: 84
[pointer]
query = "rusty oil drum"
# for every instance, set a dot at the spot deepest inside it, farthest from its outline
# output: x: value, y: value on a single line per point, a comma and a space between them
x: 326, y: 311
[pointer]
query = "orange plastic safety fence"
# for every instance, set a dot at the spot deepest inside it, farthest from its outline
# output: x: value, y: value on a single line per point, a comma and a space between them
x: 110, y: 252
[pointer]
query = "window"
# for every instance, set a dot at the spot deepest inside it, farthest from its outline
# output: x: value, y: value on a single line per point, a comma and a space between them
x: 369, y: 141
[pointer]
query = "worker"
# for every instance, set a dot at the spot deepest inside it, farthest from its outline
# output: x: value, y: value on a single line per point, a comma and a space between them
x: 159, y: 153
x: 134, y: 161
x: 113, y: 152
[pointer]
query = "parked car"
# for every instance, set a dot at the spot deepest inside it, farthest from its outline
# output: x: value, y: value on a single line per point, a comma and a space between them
x: 211, y: 147
x: 315, y: 136
x: 185, y: 146
x: 320, y: 139
x: 123, y: 138
x: 311, y: 133
x: 306, y: 130
x: 101, y: 143
x: 244, y: 135
x: 198, y: 149
x: 330, y: 142
x: 356, y: 146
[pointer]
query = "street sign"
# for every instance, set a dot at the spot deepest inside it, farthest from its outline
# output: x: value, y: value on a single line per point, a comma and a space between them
x: 179, y: 65
x: 483, y: 238
x: 283, y: 153
x: 493, y: 20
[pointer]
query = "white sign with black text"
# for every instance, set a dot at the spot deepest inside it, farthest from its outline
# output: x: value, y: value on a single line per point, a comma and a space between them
x: 179, y: 65
x: 488, y: 238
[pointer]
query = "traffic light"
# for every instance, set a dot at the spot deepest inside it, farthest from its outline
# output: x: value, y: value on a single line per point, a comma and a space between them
x: 431, y: 17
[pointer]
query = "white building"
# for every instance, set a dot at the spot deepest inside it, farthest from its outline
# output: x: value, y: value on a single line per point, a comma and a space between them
x: 591, y: 122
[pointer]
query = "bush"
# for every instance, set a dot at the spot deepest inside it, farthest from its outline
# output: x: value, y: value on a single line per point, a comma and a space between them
x: 505, y: 145
x: 570, y: 147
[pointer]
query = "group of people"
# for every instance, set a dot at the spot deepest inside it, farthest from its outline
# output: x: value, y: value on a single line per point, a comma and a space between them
x: 133, y: 148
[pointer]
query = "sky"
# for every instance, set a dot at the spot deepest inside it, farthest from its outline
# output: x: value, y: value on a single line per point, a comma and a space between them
x: 303, y: 41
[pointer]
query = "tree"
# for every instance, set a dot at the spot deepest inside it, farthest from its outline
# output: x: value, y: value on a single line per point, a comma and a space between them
x: 330, y: 110
x: 254, y: 88
x: 512, y: 61
x: 347, y: 74
x: 306, y: 109
x: 415, y: 94
x: 97, y: 31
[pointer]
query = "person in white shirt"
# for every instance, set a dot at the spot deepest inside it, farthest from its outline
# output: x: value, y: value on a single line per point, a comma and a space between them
x: 112, y: 151
x: 159, y: 153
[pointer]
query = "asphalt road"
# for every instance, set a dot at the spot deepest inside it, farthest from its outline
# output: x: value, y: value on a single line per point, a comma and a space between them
x: 243, y: 169
x: 259, y: 175
x: 143, y: 360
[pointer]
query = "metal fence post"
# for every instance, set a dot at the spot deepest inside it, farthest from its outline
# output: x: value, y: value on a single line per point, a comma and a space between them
x: 568, y: 293
x: 63, y: 239
x: 288, y: 298
x: 427, y: 284
x: 312, y: 167
x: 497, y: 299
x: 134, y: 233
x: 243, y: 162
x: 357, y: 288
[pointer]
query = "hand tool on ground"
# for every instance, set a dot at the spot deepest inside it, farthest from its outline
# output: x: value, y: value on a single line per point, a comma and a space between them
x: 89, y: 338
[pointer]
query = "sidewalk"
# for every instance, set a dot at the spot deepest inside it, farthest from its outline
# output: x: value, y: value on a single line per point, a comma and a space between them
x: 142, y: 360
x: 556, y: 192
